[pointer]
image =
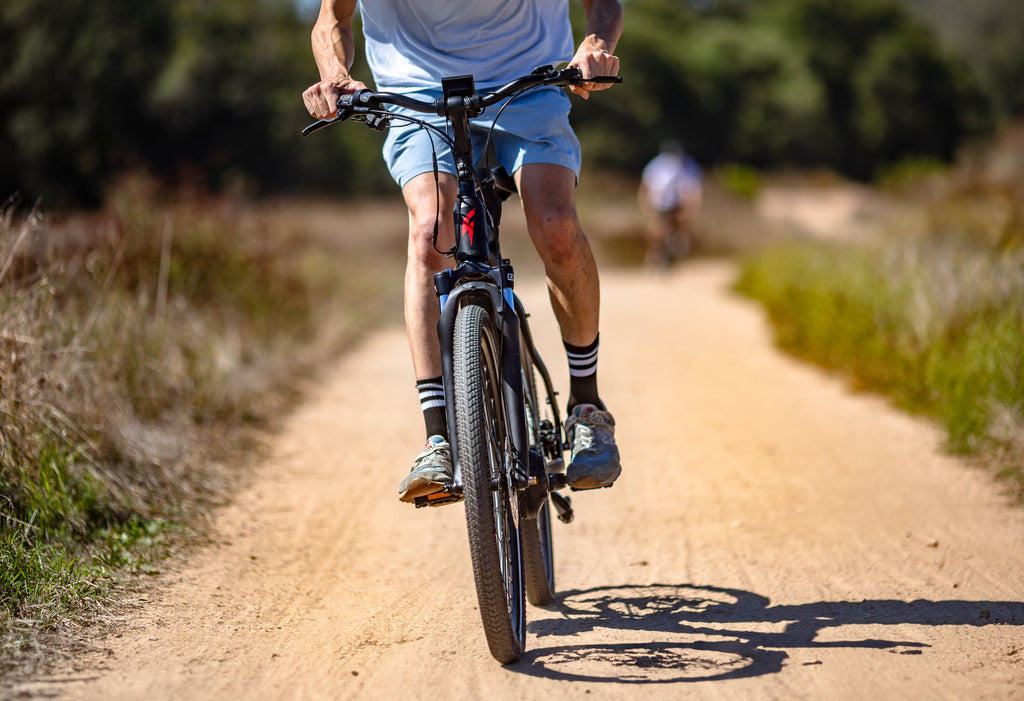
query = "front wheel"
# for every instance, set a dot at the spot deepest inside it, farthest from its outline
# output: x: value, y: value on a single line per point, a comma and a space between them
x: 492, y: 505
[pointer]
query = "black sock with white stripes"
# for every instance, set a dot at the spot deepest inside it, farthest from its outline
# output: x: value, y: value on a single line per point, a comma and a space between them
x: 583, y: 374
x: 432, y: 402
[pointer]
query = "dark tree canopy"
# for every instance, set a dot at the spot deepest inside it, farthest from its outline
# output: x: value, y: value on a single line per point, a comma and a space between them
x: 211, y: 89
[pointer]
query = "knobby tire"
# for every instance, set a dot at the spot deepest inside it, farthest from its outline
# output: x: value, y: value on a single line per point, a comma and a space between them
x: 492, y: 515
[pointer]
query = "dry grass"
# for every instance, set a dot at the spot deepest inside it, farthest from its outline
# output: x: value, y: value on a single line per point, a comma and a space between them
x: 930, y: 310
x: 142, y: 351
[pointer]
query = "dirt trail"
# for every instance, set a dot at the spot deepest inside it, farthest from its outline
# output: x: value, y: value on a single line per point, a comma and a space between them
x: 772, y: 536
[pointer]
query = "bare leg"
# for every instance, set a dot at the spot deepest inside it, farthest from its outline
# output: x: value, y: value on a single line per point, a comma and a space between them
x: 659, y: 232
x: 422, y: 309
x: 548, y: 199
x: 548, y: 195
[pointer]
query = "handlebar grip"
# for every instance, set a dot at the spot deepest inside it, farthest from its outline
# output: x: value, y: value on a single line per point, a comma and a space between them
x: 574, y: 76
x: 353, y: 99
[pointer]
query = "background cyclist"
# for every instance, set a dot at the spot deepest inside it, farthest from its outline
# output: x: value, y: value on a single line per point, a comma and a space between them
x: 410, y: 46
x: 671, y: 190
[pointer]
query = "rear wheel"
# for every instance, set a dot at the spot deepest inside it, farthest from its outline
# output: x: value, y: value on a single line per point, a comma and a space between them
x: 492, y: 505
x: 538, y: 546
x: 539, y: 557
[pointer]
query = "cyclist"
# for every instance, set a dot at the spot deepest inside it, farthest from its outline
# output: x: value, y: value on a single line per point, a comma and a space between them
x: 670, y: 195
x: 410, y: 46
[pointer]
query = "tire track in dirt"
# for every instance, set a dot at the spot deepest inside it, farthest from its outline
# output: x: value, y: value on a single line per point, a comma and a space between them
x: 772, y: 536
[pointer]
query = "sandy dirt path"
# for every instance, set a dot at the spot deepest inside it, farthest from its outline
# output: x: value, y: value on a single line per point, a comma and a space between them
x: 772, y: 536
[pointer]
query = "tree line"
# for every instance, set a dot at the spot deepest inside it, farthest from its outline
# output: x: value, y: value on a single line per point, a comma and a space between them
x: 852, y: 85
x: 197, y: 90
x: 209, y: 91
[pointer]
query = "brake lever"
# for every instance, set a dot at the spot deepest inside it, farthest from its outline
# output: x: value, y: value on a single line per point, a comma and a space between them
x: 318, y: 125
x: 345, y: 110
x: 343, y: 114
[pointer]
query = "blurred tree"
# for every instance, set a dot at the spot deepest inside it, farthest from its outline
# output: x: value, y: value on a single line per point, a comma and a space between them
x: 890, y: 90
x: 72, y: 92
x: 208, y: 90
x: 212, y: 87
x: 847, y: 84
x: 230, y: 98
x: 753, y: 95
x: 910, y: 100
x: 987, y: 35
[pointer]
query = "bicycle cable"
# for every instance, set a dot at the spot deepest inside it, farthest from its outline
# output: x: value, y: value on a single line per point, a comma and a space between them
x: 437, y: 201
x: 431, y: 132
x: 494, y: 122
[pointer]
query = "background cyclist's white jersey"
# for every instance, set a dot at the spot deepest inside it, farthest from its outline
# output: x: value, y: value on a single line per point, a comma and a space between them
x: 671, y: 180
x: 412, y: 44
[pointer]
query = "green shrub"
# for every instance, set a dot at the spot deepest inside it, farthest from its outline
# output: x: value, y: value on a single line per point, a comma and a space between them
x: 739, y: 180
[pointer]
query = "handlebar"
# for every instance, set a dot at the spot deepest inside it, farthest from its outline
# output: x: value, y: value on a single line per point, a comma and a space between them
x: 362, y: 102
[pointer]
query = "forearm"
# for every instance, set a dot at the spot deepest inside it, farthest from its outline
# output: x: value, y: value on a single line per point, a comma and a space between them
x: 595, y: 55
x: 333, y: 50
x: 333, y: 46
x: 604, y: 24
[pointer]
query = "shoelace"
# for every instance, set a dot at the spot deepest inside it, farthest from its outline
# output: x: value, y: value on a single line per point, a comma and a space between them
x: 583, y: 436
x: 440, y: 449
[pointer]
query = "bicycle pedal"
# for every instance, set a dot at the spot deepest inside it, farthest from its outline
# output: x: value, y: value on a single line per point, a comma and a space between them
x: 437, y: 499
x: 563, y: 507
x: 556, y: 480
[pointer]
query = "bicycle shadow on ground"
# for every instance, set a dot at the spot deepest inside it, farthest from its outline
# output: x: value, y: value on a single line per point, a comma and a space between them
x: 688, y: 633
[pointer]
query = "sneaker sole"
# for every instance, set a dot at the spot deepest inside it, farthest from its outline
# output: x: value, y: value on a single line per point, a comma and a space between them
x: 409, y: 496
x: 588, y: 482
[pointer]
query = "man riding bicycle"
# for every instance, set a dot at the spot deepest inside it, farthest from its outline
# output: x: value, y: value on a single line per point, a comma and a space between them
x: 410, y: 46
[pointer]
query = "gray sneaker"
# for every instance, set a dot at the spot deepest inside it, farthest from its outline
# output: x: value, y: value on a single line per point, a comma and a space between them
x: 431, y: 471
x: 595, y: 457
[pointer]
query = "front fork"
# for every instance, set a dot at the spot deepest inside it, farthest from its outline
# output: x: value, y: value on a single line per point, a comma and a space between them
x: 499, y: 303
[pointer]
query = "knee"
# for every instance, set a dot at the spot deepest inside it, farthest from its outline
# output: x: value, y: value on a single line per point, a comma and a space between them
x: 422, y: 253
x: 556, y: 233
x: 429, y: 206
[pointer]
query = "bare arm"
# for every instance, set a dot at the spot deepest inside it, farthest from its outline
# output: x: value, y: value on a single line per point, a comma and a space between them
x: 333, y: 47
x: 595, y: 55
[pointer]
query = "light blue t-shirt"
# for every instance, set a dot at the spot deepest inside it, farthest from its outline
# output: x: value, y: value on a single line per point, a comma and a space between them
x: 412, y: 44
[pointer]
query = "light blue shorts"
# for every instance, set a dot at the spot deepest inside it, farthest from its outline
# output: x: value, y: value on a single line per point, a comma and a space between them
x: 534, y: 128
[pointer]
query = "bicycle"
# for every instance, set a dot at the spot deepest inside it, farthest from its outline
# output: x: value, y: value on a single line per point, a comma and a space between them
x: 507, y: 446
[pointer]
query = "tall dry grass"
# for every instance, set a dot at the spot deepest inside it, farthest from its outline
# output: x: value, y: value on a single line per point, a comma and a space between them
x: 140, y: 349
x: 930, y: 311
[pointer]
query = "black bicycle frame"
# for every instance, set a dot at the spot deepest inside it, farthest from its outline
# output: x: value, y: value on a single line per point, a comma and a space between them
x: 480, y: 277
